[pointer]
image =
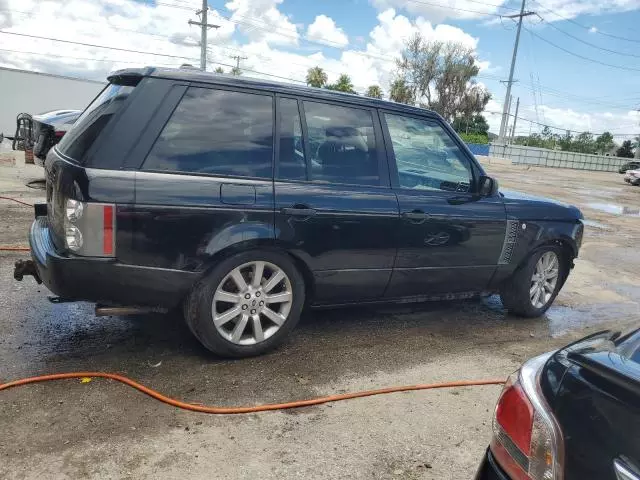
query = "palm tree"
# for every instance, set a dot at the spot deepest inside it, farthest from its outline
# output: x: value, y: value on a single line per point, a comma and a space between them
x: 219, y: 70
x: 400, y: 92
x: 316, y: 77
x: 236, y: 71
x: 374, y: 91
x: 343, y: 84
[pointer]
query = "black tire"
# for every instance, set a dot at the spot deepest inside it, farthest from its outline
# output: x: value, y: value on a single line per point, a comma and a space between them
x: 198, y: 305
x: 515, y: 291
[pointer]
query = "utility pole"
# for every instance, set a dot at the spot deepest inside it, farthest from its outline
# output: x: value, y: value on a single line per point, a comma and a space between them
x: 506, y: 126
x: 237, y: 58
x: 203, y: 33
x: 515, y: 119
x: 503, y: 124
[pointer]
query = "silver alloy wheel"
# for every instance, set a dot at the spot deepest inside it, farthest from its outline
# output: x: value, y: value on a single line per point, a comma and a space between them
x: 544, y: 279
x: 252, y: 302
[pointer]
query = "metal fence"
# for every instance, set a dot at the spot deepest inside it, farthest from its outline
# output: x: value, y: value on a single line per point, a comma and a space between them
x: 479, y: 149
x: 520, y: 154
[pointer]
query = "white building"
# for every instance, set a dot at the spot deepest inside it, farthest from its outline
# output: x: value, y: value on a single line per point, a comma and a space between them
x: 33, y: 93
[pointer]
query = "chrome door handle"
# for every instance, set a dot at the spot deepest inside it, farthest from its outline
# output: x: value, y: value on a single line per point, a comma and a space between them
x: 299, y: 212
x: 416, y: 216
x: 623, y: 472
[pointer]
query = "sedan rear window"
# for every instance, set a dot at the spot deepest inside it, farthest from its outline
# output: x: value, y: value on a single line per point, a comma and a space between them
x: 79, y: 139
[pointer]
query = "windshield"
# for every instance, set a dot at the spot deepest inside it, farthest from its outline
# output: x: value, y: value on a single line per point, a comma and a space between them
x: 79, y: 139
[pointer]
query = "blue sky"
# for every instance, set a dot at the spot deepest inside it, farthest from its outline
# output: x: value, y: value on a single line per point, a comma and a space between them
x: 283, y: 38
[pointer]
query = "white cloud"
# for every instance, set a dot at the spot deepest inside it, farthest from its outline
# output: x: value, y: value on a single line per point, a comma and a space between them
x: 565, y: 119
x: 324, y: 29
x: 465, y: 9
x: 261, y: 20
x: 553, y: 10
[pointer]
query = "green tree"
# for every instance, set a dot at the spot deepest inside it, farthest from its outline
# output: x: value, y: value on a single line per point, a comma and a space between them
x: 476, y: 124
x: 374, y: 91
x: 626, y: 150
x: 400, y: 92
x: 604, y: 143
x: 441, y: 76
x: 316, y: 77
x: 219, y: 70
x: 343, y: 84
x: 236, y: 71
x: 584, y: 143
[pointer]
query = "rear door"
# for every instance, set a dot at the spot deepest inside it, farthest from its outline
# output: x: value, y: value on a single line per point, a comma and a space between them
x: 334, y: 206
x: 206, y: 178
x: 449, y: 239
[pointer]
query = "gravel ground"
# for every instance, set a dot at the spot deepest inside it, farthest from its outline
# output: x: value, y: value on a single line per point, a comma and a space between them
x: 102, y: 429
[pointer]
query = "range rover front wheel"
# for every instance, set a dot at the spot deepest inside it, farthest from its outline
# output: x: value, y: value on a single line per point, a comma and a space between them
x: 247, y: 304
x: 534, y: 286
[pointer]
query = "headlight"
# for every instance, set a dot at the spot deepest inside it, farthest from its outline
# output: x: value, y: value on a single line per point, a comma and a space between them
x: 74, y: 210
x: 73, y: 237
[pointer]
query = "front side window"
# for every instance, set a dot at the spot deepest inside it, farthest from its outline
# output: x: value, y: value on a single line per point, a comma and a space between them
x: 217, y: 132
x: 342, y: 144
x: 79, y: 139
x: 426, y: 156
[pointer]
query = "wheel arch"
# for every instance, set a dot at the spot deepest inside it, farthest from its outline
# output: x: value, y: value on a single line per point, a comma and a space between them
x: 263, y: 244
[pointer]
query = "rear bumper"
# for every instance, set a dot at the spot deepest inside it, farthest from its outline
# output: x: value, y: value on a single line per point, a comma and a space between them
x: 104, y: 280
x: 490, y: 470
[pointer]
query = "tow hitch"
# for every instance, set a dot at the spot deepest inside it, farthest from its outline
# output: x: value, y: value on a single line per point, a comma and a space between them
x: 25, y: 267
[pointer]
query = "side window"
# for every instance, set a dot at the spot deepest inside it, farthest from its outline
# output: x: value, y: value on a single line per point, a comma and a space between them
x: 426, y: 156
x: 342, y: 144
x: 217, y: 132
x: 292, y: 165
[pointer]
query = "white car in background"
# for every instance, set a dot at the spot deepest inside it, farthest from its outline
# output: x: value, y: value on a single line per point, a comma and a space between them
x: 632, y: 177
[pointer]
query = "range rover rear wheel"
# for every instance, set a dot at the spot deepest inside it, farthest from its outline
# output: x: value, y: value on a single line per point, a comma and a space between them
x: 534, y: 286
x: 247, y: 304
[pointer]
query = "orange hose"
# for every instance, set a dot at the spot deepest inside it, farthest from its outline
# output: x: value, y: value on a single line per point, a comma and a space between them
x: 235, y: 410
x: 17, y: 201
x: 15, y: 249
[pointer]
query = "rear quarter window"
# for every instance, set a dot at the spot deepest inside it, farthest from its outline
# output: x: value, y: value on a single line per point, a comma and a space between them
x: 217, y: 132
x: 90, y: 124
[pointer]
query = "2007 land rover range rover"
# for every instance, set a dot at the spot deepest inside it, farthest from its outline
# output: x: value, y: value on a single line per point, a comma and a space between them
x: 242, y: 200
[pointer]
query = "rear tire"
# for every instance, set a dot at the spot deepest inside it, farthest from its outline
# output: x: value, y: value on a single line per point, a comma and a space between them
x: 531, y: 290
x: 236, y: 314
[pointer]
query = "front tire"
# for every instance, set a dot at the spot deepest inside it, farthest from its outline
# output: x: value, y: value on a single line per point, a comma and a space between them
x: 531, y: 290
x: 247, y: 305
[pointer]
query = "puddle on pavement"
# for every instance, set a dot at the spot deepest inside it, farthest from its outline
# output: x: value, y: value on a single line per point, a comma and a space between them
x: 616, y: 209
x: 563, y: 319
x: 594, y: 224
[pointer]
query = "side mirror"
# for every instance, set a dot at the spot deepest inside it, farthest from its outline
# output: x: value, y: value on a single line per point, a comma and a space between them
x: 487, y: 186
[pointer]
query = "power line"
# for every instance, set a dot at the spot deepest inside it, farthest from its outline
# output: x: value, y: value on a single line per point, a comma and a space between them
x: 621, y: 67
x: 105, y: 60
x: 589, y: 43
x: 97, y: 46
x: 589, y: 28
x: 561, y: 128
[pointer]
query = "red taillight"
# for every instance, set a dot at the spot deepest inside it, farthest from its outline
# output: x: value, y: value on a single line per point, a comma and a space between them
x: 107, y: 230
x: 514, y: 414
x: 527, y: 440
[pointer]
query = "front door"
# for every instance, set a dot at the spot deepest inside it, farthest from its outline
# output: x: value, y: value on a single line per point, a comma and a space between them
x: 449, y: 238
x: 334, y: 209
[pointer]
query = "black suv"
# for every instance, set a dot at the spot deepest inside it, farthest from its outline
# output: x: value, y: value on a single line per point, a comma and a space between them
x: 242, y: 200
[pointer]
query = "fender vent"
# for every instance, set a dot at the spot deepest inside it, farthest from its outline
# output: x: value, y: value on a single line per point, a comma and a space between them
x: 510, y: 240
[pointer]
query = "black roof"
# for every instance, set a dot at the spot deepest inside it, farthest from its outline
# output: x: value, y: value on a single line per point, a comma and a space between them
x: 195, y: 75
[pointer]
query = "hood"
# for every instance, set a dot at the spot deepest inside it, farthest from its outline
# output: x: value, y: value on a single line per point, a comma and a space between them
x: 523, y: 205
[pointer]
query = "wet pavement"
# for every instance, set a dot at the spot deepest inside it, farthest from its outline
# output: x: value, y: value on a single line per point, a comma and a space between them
x: 102, y: 429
